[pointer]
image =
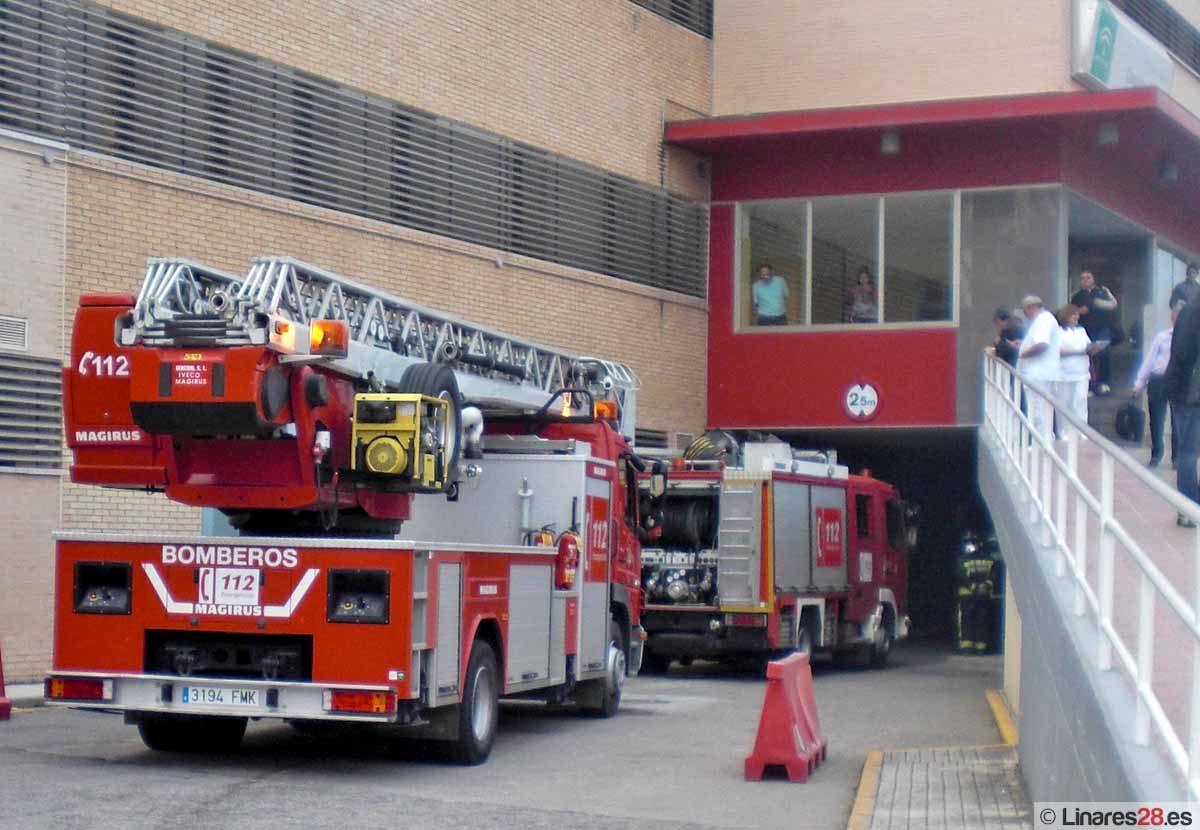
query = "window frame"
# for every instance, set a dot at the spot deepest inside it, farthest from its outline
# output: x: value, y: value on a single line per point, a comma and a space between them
x: 740, y: 224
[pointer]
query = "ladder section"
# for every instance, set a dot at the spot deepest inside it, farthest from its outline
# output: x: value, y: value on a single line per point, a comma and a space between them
x: 184, y: 304
x: 739, y: 541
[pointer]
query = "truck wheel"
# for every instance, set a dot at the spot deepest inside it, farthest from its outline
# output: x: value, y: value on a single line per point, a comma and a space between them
x: 881, y: 648
x: 804, y: 641
x: 184, y: 733
x: 603, y: 697
x: 881, y: 651
x: 479, y: 710
x: 437, y: 381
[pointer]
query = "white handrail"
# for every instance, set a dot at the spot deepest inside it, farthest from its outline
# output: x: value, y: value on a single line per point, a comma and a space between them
x: 1049, y: 479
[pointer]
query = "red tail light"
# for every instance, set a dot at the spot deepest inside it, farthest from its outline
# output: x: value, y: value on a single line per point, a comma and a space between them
x: 78, y: 688
x: 361, y: 703
x: 756, y: 620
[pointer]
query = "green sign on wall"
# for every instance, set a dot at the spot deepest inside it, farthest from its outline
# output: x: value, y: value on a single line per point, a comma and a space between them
x: 1105, y: 43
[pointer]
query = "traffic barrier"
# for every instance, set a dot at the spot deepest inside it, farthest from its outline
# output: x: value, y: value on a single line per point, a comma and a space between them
x: 5, y: 703
x: 789, y: 734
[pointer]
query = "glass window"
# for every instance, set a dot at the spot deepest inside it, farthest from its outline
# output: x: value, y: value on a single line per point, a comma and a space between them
x: 845, y: 243
x: 917, y: 255
x: 772, y: 247
x: 862, y: 510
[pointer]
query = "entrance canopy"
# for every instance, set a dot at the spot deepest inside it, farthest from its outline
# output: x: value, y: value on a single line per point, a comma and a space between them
x: 1135, y: 150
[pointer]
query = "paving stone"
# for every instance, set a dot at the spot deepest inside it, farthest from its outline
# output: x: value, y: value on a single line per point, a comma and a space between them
x: 969, y: 788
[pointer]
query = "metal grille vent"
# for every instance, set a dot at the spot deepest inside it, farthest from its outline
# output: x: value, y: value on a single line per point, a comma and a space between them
x: 696, y: 15
x: 30, y: 413
x: 1167, y: 26
x: 650, y: 438
x: 114, y: 84
x: 14, y: 333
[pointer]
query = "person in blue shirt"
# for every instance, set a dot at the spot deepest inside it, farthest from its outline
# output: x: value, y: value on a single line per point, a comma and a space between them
x: 770, y: 293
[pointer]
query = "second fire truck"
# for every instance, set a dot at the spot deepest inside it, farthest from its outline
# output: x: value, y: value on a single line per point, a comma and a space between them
x: 760, y: 549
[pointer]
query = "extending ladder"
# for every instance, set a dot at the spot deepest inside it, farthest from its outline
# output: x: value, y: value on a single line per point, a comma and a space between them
x: 185, y: 304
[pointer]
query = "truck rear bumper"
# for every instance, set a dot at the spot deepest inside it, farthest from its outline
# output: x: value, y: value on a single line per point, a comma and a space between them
x: 173, y: 694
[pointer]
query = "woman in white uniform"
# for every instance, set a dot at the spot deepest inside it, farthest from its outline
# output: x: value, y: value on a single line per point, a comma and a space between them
x: 1073, y: 372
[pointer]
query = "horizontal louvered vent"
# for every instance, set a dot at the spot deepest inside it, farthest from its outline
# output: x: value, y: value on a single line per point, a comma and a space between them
x: 14, y: 333
x: 650, y: 438
x: 30, y: 413
x: 118, y: 85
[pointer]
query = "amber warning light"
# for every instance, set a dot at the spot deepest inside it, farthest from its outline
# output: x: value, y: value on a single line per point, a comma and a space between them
x: 329, y: 338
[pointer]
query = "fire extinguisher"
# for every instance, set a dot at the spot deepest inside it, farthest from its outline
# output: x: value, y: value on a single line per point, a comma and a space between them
x: 566, y: 562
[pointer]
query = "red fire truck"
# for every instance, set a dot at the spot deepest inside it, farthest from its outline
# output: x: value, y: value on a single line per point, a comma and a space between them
x: 759, y: 549
x: 401, y: 558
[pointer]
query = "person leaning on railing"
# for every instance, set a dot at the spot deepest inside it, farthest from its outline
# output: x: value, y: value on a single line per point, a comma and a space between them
x: 1183, y: 391
x: 1038, y: 360
x: 1151, y: 375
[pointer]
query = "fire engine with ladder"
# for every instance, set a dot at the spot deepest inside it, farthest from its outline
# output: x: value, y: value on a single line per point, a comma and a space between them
x: 427, y: 515
x: 760, y: 548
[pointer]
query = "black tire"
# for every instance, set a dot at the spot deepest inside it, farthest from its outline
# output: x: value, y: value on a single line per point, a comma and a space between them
x: 881, y: 652
x: 881, y: 649
x: 654, y: 663
x: 187, y: 733
x: 804, y: 641
x: 480, y: 708
x: 601, y: 698
x: 437, y: 381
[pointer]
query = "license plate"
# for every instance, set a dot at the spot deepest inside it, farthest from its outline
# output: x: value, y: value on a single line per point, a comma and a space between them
x: 200, y: 696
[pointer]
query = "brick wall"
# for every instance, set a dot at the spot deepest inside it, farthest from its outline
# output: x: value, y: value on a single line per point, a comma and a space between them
x: 772, y: 55
x: 586, y: 78
x: 119, y: 213
x: 32, y: 242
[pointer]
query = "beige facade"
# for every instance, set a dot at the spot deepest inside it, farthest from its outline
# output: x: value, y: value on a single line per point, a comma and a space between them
x: 590, y: 79
x: 33, y: 190
x: 778, y: 55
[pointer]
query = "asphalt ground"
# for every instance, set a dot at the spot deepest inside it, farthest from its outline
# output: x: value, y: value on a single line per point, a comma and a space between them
x: 672, y: 758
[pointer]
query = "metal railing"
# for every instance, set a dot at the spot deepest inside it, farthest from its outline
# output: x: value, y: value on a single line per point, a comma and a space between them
x: 1048, y: 472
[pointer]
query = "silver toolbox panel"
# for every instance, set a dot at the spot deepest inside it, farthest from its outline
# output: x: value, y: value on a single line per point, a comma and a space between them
x: 793, y: 535
x: 449, y: 629
x: 739, y: 538
x: 488, y: 509
x: 830, y: 499
x: 528, y: 656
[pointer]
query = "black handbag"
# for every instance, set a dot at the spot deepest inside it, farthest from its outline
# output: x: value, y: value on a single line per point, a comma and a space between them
x: 1130, y: 423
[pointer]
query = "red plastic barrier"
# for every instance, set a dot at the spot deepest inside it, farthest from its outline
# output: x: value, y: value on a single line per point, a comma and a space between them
x: 789, y: 734
x: 5, y: 703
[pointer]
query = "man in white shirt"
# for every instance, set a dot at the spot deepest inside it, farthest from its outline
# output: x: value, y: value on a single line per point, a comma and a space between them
x: 1152, y: 376
x: 1038, y: 361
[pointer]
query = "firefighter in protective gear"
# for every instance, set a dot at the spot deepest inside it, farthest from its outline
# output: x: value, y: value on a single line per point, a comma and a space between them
x: 979, y: 576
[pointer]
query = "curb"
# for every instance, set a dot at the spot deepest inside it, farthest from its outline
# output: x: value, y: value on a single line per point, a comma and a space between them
x: 1003, y: 715
x: 868, y: 787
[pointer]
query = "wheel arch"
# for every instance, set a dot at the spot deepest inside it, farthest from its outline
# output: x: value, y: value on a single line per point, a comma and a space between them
x: 488, y: 630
